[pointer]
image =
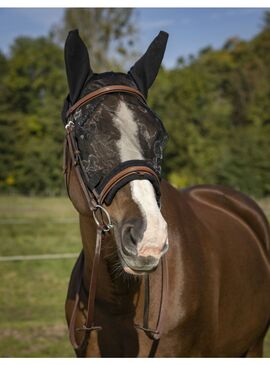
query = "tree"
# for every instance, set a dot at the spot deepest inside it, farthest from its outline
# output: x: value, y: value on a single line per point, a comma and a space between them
x: 217, y: 113
x: 32, y: 92
x: 107, y: 32
x: 266, y: 20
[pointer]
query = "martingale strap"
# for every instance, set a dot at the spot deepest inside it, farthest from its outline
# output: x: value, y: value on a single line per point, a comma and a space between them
x: 95, y: 199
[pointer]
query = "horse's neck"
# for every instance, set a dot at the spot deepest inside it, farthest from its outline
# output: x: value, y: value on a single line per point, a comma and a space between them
x: 114, y: 285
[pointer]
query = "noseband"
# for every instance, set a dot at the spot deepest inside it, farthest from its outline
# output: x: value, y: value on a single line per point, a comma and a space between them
x: 104, y: 193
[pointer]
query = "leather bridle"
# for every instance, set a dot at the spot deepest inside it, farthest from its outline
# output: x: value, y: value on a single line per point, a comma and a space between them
x: 95, y: 200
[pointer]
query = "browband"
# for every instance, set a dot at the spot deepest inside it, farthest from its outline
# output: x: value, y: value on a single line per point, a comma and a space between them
x: 102, y: 91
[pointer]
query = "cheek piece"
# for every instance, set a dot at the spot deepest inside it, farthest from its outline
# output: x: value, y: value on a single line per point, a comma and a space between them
x: 104, y: 192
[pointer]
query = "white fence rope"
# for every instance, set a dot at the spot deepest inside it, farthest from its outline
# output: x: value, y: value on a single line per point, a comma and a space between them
x: 39, y: 257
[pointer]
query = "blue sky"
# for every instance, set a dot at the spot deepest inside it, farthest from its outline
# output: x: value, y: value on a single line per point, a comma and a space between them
x: 189, y: 29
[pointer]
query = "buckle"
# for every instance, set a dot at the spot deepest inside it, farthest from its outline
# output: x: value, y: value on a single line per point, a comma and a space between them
x: 149, y: 330
x: 89, y: 329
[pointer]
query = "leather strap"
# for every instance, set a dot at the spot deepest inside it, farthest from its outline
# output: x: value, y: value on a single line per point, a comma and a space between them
x: 155, y: 334
x: 130, y: 170
x: 72, y: 323
x: 75, y: 161
x: 89, y: 325
x: 102, y: 91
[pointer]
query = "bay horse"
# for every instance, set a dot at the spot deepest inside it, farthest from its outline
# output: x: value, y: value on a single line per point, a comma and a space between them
x: 216, y: 240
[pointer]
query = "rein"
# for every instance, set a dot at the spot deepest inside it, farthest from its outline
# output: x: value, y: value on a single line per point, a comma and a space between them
x: 95, y: 198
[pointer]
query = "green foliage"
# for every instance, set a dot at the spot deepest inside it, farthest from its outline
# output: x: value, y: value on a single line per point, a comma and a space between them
x: 31, y: 96
x: 266, y: 22
x: 217, y: 112
x: 246, y: 164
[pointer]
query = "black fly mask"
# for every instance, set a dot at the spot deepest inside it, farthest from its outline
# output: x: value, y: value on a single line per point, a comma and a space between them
x: 96, y: 123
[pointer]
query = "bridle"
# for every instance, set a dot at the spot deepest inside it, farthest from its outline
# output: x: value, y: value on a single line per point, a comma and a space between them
x: 119, y: 176
x: 95, y: 198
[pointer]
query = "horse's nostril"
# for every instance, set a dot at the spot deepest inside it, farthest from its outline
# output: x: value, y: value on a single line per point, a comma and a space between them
x: 133, y: 236
x: 129, y: 240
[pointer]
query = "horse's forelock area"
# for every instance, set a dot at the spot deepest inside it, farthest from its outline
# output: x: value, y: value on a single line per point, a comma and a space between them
x: 142, y: 136
x: 151, y: 133
x: 129, y: 143
x: 98, y: 81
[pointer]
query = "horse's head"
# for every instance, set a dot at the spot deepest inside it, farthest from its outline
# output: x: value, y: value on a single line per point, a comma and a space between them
x: 112, y: 130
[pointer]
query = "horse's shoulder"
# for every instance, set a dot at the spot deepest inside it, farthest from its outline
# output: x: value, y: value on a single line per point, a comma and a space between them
x: 230, y: 202
x: 221, y: 196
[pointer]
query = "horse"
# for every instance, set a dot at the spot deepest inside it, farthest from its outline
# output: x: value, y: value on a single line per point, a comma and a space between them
x: 213, y: 241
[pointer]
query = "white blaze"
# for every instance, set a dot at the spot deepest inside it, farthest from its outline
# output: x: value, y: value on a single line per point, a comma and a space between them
x: 142, y: 191
x: 128, y: 144
x: 155, y: 234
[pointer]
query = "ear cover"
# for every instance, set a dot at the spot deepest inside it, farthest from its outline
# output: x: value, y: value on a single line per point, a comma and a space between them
x: 146, y: 68
x: 77, y: 64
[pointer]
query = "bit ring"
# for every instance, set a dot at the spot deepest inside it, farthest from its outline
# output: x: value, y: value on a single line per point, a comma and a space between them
x: 106, y: 225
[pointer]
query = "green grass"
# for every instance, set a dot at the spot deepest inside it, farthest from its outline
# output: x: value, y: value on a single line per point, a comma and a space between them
x: 32, y: 293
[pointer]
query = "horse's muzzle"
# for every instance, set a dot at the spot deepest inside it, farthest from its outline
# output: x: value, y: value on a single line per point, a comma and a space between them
x: 138, y: 265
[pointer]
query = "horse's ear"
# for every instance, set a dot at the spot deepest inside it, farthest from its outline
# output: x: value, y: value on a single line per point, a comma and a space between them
x: 77, y: 64
x: 146, y: 68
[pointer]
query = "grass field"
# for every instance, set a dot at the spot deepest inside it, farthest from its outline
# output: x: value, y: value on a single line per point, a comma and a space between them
x: 32, y: 293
